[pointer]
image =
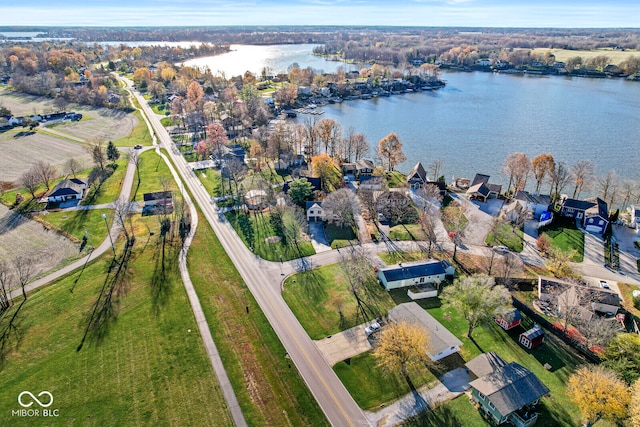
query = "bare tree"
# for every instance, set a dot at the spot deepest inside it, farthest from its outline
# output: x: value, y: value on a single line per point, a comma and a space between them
x: 98, y: 154
x: 294, y: 225
x: 24, y: 270
x: 359, y: 274
x: 542, y: 165
x: 627, y: 190
x: 456, y: 222
x: 135, y: 160
x: 338, y: 209
x: 582, y: 174
x: 5, y: 285
x: 30, y: 180
x: 428, y: 222
x: 608, y: 187
x: 559, y: 179
x: 517, y: 167
x: 122, y: 210
x: 72, y: 166
x: 598, y: 331
x: 509, y: 266
x: 46, y: 172
x: 435, y: 168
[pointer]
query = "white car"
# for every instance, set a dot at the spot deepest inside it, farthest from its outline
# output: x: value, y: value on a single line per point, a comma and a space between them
x: 501, y: 249
x: 604, y: 285
x: 372, y: 328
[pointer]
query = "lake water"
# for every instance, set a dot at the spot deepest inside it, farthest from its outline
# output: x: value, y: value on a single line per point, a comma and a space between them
x: 277, y: 58
x: 479, y: 118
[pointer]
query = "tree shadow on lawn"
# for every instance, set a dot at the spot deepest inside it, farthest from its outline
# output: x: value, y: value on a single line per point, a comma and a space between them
x: 105, y: 308
x: 10, y: 327
x: 161, y: 285
x: 438, y: 417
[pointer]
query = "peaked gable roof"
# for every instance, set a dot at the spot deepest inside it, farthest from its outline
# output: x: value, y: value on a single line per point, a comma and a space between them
x: 510, y: 387
x: 599, y: 209
x: 485, y: 364
x: 309, y: 205
x: 480, y: 179
x: 539, y: 199
x: 68, y: 187
x: 417, y: 173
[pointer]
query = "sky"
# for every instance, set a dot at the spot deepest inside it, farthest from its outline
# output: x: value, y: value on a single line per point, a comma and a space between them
x: 467, y: 13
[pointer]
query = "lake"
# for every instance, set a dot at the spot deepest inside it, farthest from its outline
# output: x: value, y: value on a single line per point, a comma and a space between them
x: 479, y: 118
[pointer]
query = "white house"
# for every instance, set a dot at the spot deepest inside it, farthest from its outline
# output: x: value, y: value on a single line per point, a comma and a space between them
x: 314, y: 211
x: 67, y: 189
x: 442, y: 343
x: 415, y: 273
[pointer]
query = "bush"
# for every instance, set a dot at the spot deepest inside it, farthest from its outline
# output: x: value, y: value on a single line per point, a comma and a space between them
x: 543, y: 243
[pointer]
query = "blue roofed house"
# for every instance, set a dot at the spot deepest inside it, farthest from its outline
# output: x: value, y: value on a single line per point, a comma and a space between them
x: 596, y: 218
x: 415, y: 273
x: 506, y: 392
x: 592, y: 215
x: 67, y: 189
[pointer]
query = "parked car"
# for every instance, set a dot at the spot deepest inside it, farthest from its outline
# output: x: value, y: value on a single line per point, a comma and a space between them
x: 501, y: 249
x: 372, y: 328
x: 604, y: 285
x: 137, y: 147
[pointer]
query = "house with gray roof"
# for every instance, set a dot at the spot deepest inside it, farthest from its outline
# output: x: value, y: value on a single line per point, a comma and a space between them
x: 482, y: 190
x: 442, y: 343
x: 415, y: 273
x: 596, y: 218
x: 534, y: 203
x: 417, y: 177
x: 506, y: 392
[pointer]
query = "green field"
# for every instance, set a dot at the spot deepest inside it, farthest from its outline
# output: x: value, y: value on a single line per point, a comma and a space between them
x: 339, y: 237
x: 407, y: 232
x: 145, y: 365
x: 314, y: 297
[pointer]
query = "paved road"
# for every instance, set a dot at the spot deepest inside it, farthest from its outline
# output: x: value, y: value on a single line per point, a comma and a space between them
x: 263, y: 280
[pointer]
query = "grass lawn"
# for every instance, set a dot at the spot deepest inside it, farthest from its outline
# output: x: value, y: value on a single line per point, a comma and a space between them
x: 458, y: 412
x: 339, y: 237
x: 407, y: 232
x: 269, y: 389
x: 211, y: 180
x: 148, y: 367
x: 74, y: 223
x: 395, y: 179
x: 507, y: 235
x: 391, y: 258
x: 261, y: 230
x: 627, y: 294
x: 371, y: 387
x: 314, y: 296
x: 110, y: 189
x: 566, y: 238
x: 152, y: 169
x: 138, y: 135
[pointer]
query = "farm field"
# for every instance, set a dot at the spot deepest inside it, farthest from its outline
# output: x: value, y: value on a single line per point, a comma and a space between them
x: 100, y: 124
x: 615, y: 56
x: 22, y: 236
x: 21, y: 150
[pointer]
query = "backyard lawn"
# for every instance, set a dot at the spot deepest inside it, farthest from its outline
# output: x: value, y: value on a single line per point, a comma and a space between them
x: 506, y: 235
x: 566, y: 237
x: 110, y: 189
x: 323, y: 302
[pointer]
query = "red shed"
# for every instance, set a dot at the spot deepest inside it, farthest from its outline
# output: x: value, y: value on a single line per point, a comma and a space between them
x: 532, y: 338
x: 509, y: 320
